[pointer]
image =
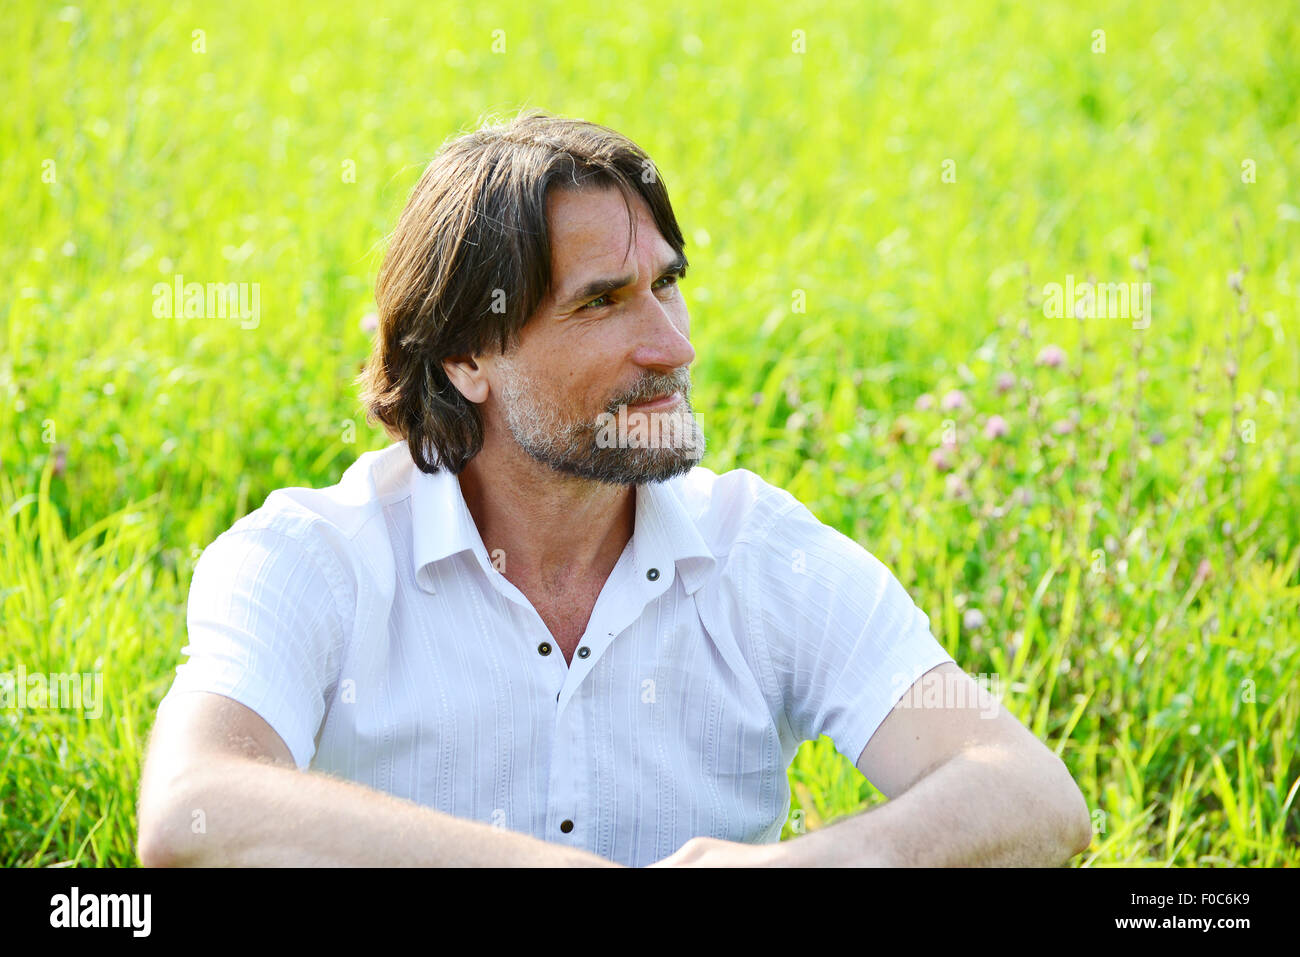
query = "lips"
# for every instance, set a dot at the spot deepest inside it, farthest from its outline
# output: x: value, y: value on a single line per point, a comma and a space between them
x: 665, y: 401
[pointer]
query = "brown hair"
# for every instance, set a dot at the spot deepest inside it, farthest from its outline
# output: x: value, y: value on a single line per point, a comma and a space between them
x: 470, y: 261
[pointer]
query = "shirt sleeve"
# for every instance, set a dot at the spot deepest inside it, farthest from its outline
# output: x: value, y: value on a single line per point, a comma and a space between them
x: 264, y: 628
x: 843, y: 637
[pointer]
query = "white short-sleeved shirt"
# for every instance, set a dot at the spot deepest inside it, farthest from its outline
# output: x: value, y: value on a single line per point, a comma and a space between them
x: 366, y: 624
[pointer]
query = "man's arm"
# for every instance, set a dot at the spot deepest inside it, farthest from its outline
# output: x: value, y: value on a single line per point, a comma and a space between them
x: 220, y: 788
x: 969, y: 785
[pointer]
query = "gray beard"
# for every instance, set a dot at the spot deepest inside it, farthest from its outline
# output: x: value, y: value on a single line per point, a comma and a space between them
x: 575, y: 448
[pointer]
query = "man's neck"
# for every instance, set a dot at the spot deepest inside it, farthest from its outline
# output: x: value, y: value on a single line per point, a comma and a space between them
x: 555, y: 531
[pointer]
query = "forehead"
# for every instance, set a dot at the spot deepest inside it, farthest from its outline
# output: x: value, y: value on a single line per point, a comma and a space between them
x: 589, y: 235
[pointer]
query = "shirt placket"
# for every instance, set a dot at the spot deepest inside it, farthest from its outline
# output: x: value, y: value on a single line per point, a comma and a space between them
x: 619, y: 605
x: 570, y: 818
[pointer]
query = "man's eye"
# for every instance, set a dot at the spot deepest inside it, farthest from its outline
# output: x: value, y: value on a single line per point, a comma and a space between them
x: 671, y: 280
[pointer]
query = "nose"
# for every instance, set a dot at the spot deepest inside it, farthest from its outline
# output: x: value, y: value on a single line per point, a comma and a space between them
x: 663, y: 332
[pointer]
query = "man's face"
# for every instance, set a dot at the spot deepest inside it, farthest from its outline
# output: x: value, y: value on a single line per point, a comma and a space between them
x: 576, y: 392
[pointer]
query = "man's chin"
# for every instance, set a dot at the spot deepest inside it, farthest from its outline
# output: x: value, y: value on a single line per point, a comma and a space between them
x: 629, y: 466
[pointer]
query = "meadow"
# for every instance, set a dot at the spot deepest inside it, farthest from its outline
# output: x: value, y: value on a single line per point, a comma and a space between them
x: 1101, y: 511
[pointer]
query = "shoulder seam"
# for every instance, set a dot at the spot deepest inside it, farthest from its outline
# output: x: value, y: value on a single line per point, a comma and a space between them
x: 759, y: 532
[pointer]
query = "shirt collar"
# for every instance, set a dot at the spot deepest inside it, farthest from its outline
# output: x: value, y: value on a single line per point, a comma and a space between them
x: 664, y: 537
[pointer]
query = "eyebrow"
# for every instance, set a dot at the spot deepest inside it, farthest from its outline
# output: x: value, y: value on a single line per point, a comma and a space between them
x: 599, y: 287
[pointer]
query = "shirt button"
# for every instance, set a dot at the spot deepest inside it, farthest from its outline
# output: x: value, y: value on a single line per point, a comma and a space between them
x: 544, y: 648
x: 584, y: 651
x: 566, y: 826
x: 652, y: 574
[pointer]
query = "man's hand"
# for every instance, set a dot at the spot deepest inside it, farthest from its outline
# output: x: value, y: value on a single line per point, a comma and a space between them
x: 713, y: 852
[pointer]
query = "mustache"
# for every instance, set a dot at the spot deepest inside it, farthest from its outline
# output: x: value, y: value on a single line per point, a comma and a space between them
x: 653, y: 385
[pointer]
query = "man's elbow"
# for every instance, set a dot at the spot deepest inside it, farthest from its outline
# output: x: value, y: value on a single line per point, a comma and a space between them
x: 1076, y: 829
x: 164, y: 836
x: 155, y: 846
x: 153, y: 852
x: 1056, y: 811
x: 1083, y: 836
x: 151, y: 847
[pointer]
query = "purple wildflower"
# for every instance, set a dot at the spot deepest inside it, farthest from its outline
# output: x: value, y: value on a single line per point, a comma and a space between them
x: 1050, y: 356
x: 953, y: 400
x: 996, y: 427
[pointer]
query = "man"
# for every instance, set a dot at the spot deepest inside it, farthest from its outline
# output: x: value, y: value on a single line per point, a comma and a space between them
x: 533, y: 631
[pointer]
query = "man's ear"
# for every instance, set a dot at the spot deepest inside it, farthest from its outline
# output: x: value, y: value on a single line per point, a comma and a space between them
x: 467, y: 375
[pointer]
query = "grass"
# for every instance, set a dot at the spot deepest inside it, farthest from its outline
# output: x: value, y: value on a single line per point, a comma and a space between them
x: 1125, y: 558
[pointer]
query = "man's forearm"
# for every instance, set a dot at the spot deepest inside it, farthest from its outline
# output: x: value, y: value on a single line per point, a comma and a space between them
x: 247, y: 813
x: 980, y: 808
